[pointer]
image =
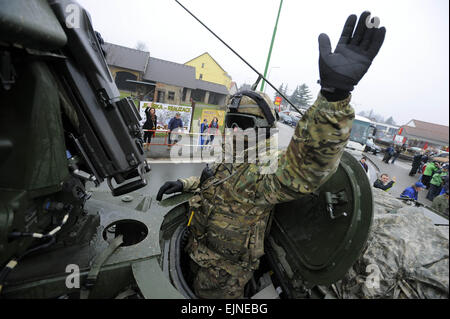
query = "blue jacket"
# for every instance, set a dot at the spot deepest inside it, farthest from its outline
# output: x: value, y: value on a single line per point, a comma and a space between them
x: 409, y: 192
x: 203, y: 127
x: 390, y: 150
x: 174, y: 123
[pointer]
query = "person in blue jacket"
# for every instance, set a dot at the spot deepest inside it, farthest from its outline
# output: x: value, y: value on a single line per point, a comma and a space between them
x: 174, y: 123
x: 203, y: 129
x: 413, y: 191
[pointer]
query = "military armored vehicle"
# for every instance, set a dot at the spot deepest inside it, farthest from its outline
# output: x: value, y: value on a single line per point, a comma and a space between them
x: 78, y: 215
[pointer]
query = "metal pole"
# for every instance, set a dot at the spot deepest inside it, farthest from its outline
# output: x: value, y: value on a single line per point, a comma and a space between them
x: 271, y: 46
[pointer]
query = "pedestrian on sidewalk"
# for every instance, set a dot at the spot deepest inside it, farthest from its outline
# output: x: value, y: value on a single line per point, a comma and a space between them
x: 363, y: 163
x: 416, y: 163
x: 440, y: 203
x: 388, y: 153
x: 398, y: 151
x: 413, y: 191
x: 213, y: 130
x: 174, y: 124
x: 149, y: 126
x: 429, y: 172
x: 445, y: 184
x: 383, y: 182
x: 203, y: 132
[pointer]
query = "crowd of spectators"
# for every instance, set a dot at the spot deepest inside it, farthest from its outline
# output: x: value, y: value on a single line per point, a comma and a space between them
x: 433, y: 178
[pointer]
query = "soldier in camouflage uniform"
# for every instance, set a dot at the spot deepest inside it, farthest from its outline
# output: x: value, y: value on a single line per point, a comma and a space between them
x: 230, y: 211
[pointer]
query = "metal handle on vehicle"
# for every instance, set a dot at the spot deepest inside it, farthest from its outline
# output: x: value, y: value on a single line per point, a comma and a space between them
x: 131, y: 186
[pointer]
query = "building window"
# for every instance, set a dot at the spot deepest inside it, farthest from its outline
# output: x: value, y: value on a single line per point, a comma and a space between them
x: 201, y: 76
x: 171, y: 96
x: 160, y: 96
x: 203, y: 65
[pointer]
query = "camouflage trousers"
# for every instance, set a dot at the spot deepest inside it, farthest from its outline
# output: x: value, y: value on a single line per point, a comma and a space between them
x: 216, y: 282
x: 213, y: 276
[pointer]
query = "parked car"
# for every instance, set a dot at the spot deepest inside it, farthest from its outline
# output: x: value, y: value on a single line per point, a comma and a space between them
x: 441, y: 157
x: 286, y: 118
x: 415, y: 150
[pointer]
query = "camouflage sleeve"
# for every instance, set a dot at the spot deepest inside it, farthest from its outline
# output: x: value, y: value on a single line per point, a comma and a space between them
x: 313, y: 153
x: 190, y: 183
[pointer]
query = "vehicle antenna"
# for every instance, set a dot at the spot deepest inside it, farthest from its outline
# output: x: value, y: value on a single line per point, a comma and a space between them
x: 260, y: 76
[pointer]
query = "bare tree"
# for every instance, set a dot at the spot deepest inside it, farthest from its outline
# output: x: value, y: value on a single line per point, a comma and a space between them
x: 141, y: 46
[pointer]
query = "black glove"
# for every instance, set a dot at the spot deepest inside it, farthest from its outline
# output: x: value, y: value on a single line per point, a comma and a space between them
x: 341, y: 71
x: 169, y: 188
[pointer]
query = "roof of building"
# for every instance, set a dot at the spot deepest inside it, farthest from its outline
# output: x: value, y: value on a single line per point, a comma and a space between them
x: 158, y: 70
x: 427, y: 130
x: 125, y: 57
x: 172, y: 73
x: 211, y: 87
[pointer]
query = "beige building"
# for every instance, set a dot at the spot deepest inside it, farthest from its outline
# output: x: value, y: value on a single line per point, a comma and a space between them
x: 207, y: 69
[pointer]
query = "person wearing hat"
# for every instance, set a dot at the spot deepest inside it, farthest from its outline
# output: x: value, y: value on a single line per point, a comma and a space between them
x: 232, y: 202
x: 413, y: 191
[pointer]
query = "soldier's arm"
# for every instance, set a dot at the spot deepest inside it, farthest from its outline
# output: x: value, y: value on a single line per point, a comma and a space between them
x: 191, y: 183
x: 313, y: 154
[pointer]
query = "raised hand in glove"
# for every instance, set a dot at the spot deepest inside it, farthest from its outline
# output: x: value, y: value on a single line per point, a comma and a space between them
x: 342, y: 69
x: 169, y: 188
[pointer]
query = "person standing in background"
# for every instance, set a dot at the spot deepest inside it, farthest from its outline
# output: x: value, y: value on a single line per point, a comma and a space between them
x: 412, y: 191
x: 203, y: 131
x: 416, y: 163
x: 363, y: 163
x: 436, y: 183
x: 398, y: 151
x: 149, y: 126
x: 213, y: 130
x: 174, y: 123
x: 429, y: 172
x: 388, y: 154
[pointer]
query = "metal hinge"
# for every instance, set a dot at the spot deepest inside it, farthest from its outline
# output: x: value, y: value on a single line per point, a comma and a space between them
x: 335, y: 199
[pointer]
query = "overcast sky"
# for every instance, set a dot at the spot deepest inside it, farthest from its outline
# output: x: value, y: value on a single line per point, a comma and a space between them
x: 409, y: 79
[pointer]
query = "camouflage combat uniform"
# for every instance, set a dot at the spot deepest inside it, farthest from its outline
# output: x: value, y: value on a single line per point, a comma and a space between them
x: 232, y: 208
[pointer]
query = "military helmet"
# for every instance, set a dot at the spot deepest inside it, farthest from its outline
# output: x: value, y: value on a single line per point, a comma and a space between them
x: 250, y: 109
